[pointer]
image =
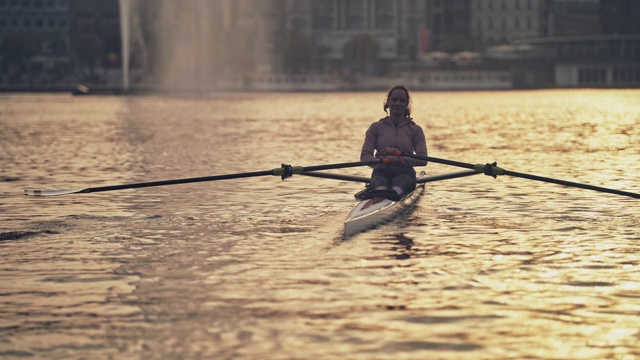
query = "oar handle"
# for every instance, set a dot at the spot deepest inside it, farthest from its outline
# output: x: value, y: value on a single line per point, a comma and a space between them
x: 487, y: 169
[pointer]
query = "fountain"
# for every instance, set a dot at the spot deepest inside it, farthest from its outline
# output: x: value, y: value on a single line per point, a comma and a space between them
x: 125, y: 25
x: 191, y: 45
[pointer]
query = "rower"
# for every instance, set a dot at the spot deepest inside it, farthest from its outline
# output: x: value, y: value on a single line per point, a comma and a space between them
x: 387, y: 139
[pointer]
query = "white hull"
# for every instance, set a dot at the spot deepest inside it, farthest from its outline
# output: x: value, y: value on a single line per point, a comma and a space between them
x: 366, y: 214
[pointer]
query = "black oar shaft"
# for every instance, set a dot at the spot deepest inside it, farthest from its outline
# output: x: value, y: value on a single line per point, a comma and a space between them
x: 339, y: 166
x: 284, y: 171
x: 325, y: 175
x: 176, y: 181
x: 445, y: 162
x: 570, y: 183
x: 447, y: 176
x: 493, y: 170
x: 363, y: 179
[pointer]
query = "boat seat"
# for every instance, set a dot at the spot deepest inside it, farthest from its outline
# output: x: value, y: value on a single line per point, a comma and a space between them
x: 389, y: 194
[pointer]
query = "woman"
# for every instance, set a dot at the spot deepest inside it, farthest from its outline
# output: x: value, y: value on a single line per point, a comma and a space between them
x: 389, y: 138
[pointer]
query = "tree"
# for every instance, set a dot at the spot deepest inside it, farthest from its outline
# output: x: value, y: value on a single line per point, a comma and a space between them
x: 89, y: 49
x: 361, y: 52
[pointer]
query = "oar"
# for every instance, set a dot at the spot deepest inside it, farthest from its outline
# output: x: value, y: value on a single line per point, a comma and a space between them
x: 494, y: 170
x: 284, y: 172
x: 454, y: 175
x: 353, y: 178
x: 364, y: 179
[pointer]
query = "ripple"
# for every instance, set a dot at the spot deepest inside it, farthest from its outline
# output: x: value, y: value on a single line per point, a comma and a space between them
x: 257, y: 268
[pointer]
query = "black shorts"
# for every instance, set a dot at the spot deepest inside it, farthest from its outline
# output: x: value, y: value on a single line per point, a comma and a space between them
x: 406, y: 180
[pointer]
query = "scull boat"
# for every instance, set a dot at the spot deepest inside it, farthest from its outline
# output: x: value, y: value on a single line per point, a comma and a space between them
x: 370, y: 212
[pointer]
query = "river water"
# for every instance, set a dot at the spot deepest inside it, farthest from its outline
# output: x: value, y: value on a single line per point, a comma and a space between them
x: 256, y: 268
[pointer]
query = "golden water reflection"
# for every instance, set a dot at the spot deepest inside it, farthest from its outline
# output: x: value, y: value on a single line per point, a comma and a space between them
x: 482, y: 268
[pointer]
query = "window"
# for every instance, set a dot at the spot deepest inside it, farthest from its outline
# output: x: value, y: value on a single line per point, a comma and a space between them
x: 384, y: 14
x: 323, y: 21
x: 322, y: 6
x: 385, y: 7
x: 384, y: 22
x: 591, y: 76
x: 355, y: 22
x: 626, y: 75
x: 355, y: 7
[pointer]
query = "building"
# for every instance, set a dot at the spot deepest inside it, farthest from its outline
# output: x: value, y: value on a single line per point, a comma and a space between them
x: 449, y: 26
x: 590, y: 61
x: 34, y: 40
x: 575, y: 18
x: 198, y: 44
x: 394, y: 25
x: 620, y: 17
x: 497, y: 22
x: 48, y: 42
x: 102, y: 19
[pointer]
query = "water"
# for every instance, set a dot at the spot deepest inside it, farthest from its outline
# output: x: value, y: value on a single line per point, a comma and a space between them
x: 483, y: 268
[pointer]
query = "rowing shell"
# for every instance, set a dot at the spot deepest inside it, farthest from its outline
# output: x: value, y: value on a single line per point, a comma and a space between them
x: 371, y: 212
x: 368, y: 214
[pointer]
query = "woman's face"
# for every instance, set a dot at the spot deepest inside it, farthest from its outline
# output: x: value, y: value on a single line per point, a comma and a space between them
x: 397, y: 102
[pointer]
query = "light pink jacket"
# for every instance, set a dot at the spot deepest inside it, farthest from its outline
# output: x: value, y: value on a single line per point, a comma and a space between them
x: 406, y: 137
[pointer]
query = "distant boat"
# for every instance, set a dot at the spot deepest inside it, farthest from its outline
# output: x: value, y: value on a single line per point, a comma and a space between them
x: 81, y: 90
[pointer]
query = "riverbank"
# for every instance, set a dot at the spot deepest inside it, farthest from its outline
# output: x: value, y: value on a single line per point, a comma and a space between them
x: 467, y: 79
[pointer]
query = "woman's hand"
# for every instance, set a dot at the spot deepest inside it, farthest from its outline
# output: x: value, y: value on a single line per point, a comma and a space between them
x: 390, y: 159
x: 391, y: 151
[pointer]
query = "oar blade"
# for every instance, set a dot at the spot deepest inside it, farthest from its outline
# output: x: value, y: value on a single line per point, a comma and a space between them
x: 34, y: 192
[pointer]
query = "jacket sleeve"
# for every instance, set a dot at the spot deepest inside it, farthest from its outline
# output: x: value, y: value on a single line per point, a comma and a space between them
x: 369, y: 145
x: 419, y: 147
